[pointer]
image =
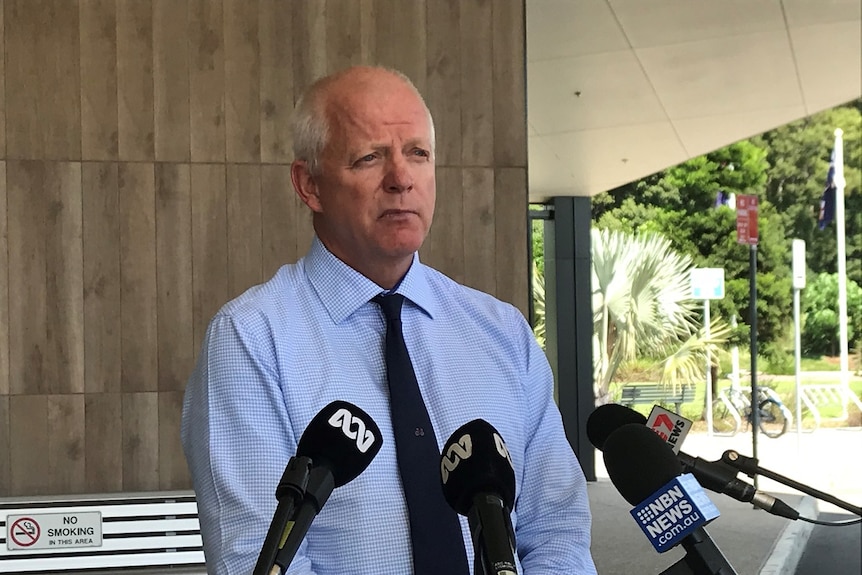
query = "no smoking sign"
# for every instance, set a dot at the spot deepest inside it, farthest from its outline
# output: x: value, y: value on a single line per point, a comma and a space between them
x: 25, y: 532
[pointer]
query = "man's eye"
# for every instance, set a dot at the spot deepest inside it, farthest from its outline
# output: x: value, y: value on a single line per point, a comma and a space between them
x: 421, y: 153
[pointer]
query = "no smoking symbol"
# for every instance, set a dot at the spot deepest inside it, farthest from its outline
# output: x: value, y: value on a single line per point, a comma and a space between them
x: 25, y: 532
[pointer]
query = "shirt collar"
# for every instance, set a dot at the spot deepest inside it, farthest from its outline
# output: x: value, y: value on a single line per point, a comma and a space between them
x: 343, y: 290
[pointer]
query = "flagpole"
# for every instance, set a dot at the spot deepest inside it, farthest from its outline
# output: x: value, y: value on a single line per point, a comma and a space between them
x: 838, y: 152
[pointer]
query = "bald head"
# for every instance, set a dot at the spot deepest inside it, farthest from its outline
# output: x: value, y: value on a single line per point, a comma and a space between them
x: 311, y: 125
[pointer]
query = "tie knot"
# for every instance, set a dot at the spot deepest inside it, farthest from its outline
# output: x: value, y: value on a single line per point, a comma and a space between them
x: 390, y: 304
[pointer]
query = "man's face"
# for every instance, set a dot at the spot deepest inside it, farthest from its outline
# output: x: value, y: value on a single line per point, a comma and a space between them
x: 375, y: 190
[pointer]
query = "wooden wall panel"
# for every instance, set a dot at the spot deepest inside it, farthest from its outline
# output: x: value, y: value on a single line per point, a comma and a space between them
x: 209, y: 245
x: 43, y: 110
x: 242, y: 81
x: 4, y: 289
x: 66, y: 472
x: 64, y: 360
x: 171, y: 80
x: 477, y: 84
x: 443, y: 91
x: 103, y: 440
x: 479, y: 229
x: 99, y: 121
x: 343, y: 33
x: 138, y: 277
x: 135, y: 79
x: 511, y: 236
x: 279, y: 209
x: 28, y: 445
x: 206, y: 80
x: 174, y: 275
x: 275, y: 31
x: 140, y: 433
x: 509, y: 85
x: 5, y: 461
x: 27, y: 205
x: 102, y: 309
x: 243, y: 228
x: 309, y: 43
x: 444, y: 247
x: 2, y: 83
x: 173, y: 471
x: 400, y: 34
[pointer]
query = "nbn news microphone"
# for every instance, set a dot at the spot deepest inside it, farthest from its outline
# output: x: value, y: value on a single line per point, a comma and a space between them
x: 670, y: 509
x: 479, y: 482
x: 716, y: 476
x: 338, y: 444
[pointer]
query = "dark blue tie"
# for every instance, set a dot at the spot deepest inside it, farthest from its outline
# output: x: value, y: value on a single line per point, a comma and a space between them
x: 438, y: 546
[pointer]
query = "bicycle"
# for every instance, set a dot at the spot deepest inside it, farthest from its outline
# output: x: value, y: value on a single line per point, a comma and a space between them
x: 734, y: 405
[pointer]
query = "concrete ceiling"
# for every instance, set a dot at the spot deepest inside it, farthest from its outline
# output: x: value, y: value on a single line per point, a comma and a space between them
x: 620, y: 89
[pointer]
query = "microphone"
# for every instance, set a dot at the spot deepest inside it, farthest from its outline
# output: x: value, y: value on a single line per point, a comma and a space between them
x: 671, y: 509
x: 338, y: 444
x: 479, y: 483
x: 716, y: 476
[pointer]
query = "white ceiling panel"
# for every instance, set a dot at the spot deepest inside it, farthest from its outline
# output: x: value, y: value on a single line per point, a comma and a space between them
x: 580, y: 93
x: 649, y: 23
x: 810, y: 12
x: 561, y: 28
x: 829, y: 61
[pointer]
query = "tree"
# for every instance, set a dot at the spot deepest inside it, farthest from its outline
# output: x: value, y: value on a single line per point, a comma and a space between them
x: 820, y: 319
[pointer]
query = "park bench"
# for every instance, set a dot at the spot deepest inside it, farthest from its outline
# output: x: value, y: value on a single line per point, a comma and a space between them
x: 654, y: 393
x: 156, y: 532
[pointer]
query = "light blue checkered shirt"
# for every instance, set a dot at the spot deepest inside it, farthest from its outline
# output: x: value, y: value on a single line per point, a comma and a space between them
x: 278, y: 354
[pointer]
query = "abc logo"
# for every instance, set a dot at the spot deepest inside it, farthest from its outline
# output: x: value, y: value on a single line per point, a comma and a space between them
x: 353, y: 428
x: 458, y: 451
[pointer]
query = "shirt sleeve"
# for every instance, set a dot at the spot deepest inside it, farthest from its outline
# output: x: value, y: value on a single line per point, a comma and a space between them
x: 237, y: 440
x: 553, y: 513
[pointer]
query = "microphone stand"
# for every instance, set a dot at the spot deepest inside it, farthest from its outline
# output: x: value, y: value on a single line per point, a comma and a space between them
x: 702, y: 557
x: 750, y: 466
x: 289, y: 492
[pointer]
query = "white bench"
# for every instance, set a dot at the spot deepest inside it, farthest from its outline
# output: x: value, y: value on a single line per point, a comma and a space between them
x: 141, y: 531
x: 816, y: 395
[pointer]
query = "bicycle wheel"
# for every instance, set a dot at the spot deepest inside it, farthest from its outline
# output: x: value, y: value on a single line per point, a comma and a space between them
x: 772, y: 421
x: 723, y: 420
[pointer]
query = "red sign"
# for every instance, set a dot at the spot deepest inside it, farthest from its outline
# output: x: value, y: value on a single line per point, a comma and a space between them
x: 746, y: 219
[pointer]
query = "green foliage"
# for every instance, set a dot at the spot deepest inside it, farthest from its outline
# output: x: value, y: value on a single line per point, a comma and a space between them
x: 820, y: 318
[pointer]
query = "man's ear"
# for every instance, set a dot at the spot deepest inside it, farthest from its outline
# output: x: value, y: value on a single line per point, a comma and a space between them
x: 305, y: 185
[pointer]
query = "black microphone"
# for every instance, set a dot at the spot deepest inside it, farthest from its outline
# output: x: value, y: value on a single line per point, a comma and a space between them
x: 479, y: 483
x: 340, y: 442
x: 671, y: 510
x: 714, y: 475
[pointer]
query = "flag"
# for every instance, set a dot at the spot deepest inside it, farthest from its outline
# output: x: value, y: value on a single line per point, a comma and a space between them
x: 721, y: 198
x: 827, y: 200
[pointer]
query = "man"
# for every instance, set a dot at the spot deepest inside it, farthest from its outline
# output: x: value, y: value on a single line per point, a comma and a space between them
x: 272, y: 358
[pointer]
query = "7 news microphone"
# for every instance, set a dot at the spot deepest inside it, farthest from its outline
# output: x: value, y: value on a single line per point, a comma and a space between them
x: 716, y: 476
x: 338, y: 444
x: 670, y: 509
x: 479, y: 483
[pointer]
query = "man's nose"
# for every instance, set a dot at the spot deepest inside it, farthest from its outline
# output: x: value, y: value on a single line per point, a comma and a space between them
x: 398, y: 178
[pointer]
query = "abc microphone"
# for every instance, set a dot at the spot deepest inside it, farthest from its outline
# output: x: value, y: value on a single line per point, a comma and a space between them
x: 479, y: 483
x: 716, y: 476
x: 670, y: 509
x: 339, y: 442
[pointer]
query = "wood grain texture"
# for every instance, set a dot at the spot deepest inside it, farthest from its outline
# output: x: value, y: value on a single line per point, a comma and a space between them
x: 444, y: 247
x: 279, y: 206
x: 138, y: 277
x: 509, y: 84
x: 400, y: 38
x: 171, y: 80
x: 242, y: 81
x: 5, y: 456
x: 2, y: 82
x: 309, y: 43
x: 102, y: 306
x: 103, y: 440
x: 4, y: 288
x: 207, y: 80
x: 443, y: 90
x: 135, y: 80
x: 477, y: 83
x: 511, y: 236
x: 140, y: 433
x: 66, y: 470
x: 99, y: 107
x: 27, y: 204
x: 479, y: 229
x: 64, y: 260
x: 343, y: 33
x: 29, y: 465
x: 275, y: 29
x: 209, y: 245
x: 174, y: 275
x: 173, y: 470
x: 243, y: 228
x: 43, y: 96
